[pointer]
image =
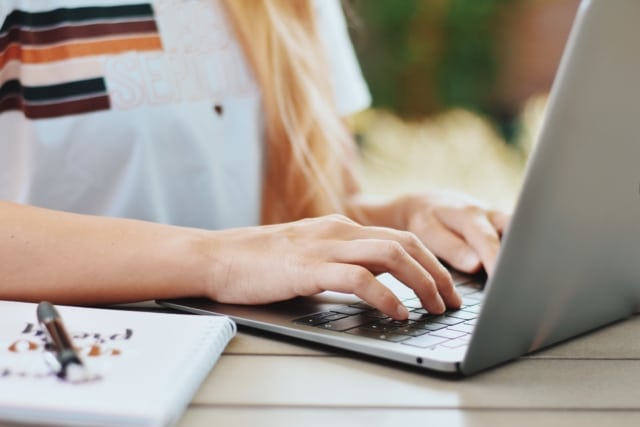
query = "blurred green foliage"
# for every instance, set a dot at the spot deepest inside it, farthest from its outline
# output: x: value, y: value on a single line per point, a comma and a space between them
x: 420, y: 56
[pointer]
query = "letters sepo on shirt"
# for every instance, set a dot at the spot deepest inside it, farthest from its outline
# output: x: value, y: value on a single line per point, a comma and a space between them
x: 143, y: 110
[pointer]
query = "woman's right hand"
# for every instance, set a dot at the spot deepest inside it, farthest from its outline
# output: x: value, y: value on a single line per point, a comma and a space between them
x: 272, y: 263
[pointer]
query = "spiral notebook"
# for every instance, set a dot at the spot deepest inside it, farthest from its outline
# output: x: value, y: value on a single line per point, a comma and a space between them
x: 149, y: 366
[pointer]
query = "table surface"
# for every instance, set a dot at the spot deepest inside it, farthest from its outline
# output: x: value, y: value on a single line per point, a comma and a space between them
x: 262, y: 380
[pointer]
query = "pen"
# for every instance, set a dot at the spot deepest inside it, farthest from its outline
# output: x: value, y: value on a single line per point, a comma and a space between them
x: 70, y: 365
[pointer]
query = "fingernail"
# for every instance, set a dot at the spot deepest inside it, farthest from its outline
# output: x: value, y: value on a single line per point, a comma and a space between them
x: 441, y: 305
x: 470, y: 262
x: 402, y: 312
x: 458, y: 298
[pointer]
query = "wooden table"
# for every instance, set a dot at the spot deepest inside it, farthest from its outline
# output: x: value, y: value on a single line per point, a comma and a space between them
x: 266, y: 381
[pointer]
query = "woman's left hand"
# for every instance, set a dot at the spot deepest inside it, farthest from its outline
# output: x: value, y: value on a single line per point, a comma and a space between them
x: 457, y: 228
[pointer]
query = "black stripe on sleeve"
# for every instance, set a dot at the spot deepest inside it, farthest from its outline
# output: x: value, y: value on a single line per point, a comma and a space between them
x: 53, y: 92
x: 10, y: 87
x: 19, y: 18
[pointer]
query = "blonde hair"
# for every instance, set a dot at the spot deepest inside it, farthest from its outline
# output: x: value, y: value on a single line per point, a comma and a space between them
x: 308, y: 145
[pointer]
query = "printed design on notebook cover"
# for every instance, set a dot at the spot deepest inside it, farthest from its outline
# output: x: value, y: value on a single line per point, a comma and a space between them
x: 142, y: 368
x: 72, y: 60
x: 25, y: 352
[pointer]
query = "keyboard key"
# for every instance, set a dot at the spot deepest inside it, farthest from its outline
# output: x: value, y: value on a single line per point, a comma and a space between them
x: 473, y: 309
x: 376, y: 313
x: 429, y: 326
x: 412, y: 332
x: 469, y: 302
x: 379, y: 327
x: 462, y: 327
x: 447, y: 333
x: 419, y: 316
x: 447, y: 320
x: 395, y: 323
x: 334, y: 316
x: 363, y: 305
x: 412, y: 303
x: 363, y: 332
x: 462, y: 314
x: 345, y: 323
x: 465, y: 290
x: 346, y: 309
x: 393, y: 337
x: 314, y: 319
x: 477, y: 296
x: 425, y: 341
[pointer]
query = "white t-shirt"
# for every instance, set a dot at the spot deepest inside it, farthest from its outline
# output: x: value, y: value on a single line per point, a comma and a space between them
x: 140, y: 110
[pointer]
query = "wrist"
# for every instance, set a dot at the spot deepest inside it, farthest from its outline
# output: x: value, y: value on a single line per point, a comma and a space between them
x: 370, y: 210
x: 205, y: 266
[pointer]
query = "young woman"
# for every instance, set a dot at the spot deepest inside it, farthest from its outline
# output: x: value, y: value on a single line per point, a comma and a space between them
x: 196, y: 148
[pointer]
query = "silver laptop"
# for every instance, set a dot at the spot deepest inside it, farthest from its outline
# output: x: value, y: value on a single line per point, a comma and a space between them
x: 570, y: 260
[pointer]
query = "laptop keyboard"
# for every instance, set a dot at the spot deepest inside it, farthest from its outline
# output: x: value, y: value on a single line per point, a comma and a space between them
x: 422, y: 329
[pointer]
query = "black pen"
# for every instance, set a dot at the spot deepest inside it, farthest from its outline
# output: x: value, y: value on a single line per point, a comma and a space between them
x: 70, y: 366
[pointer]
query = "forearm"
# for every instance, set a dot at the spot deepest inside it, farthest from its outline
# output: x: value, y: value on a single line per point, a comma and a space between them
x: 81, y: 259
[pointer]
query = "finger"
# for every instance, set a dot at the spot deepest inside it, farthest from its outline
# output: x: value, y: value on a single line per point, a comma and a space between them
x: 390, y: 256
x: 419, y: 252
x: 354, y: 279
x: 500, y: 220
x: 484, y: 238
x: 480, y: 234
x: 449, y: 246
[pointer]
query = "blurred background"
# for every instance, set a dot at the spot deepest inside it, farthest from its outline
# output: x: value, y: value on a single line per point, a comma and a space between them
x: 459, y: 89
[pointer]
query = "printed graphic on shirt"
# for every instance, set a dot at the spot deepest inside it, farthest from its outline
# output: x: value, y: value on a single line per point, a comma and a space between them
x: 201, y: 61
x: 50, y: 62
x: 74, y: 60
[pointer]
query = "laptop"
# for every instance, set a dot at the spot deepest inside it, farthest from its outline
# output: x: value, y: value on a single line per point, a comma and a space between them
x: 570, y: 259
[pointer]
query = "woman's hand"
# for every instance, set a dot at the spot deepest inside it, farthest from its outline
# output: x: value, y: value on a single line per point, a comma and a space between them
x: 277, y: 262
x: 457, y: 228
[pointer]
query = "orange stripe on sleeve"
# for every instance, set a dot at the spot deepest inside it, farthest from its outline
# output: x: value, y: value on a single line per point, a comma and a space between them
x: 80, y: 49
x: 10, y: 53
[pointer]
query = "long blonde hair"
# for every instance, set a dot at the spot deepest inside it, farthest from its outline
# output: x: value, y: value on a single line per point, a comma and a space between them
x: 308, y: 145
